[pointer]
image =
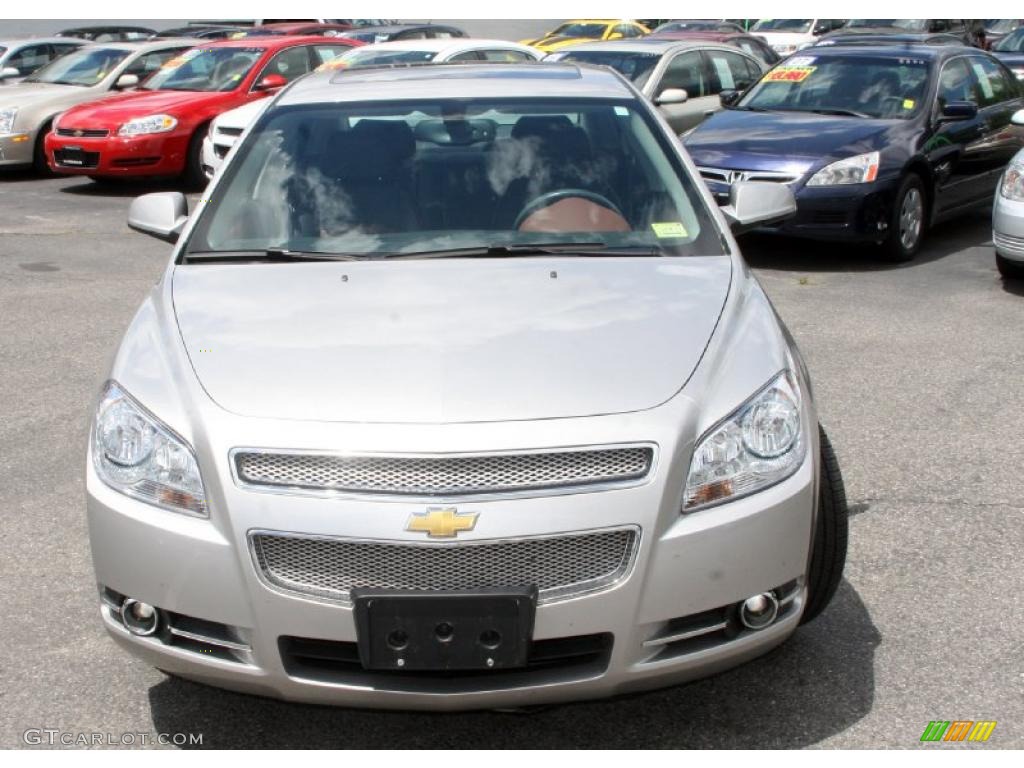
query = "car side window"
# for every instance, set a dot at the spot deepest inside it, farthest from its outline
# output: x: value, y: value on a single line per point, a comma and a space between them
x: 442, y: 33
x: 31, y: 58
x: 289, y: 64
x: 506, y: 56
x: 626, y: 30
x: 148, y: 63
x: 466, y: 56
x: 685, y: 71
x: 60, y: 49
x: 325, y: 53
x: 729, y: 72
x: 993, y: 85
x: 955, y: 84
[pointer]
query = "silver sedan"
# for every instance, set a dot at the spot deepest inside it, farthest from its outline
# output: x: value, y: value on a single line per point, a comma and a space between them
x: 457, y: 393
x: 1008, y: 215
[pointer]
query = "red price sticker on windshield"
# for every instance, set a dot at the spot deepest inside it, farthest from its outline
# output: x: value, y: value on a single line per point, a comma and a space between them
x: 789, y: 74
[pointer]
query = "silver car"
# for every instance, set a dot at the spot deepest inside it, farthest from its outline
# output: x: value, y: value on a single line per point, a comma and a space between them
x: 28, y: 109
x: 457, y: 393
x: 1008, y: 215
x: 19, y: 58
x: 684, y: 79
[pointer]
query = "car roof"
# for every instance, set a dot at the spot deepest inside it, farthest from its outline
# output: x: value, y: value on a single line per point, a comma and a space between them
x: 14, y: 42
x: 144, y: 45
x: 442, y: 44
x: 895, y: 50
x: 401, y: 27
x: 453, y: 81
x: 274, y: 41
x: 643, y: 45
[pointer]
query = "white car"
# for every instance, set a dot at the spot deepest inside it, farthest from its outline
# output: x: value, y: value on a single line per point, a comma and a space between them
x: 225, y: 130
x: 1008, y: 215
x: 786, y: 36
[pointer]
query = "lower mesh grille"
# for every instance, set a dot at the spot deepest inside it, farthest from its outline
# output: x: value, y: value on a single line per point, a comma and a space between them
x: 444, y: 475
x: 559, y: 566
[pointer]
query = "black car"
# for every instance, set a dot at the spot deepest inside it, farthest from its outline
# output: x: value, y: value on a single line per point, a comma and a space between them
x: 962, y: 29
x: 394, y: 32
x: 889, y: 36
x: 1010, y: 51
x: 697, y: 25
x: 201, y: 32
x: 876, y: 142
x: 108, y: 34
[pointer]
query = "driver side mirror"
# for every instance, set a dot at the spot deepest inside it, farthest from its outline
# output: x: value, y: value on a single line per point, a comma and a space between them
x: 126, y: 81
x: 959, y: 110
x: 1018, y: 117
x: 671, y: 96
x: 756, y: 203
x: 160, y: 214
x: 729, y: 96
x: 271, y: 83
x: 7, y: 72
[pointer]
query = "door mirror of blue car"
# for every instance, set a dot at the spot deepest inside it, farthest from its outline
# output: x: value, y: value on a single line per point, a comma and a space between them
x: 160, y: 214
x: 1018, y: 117
x: 758, y: 203
x: 959, y: 110
x: 728, y: 97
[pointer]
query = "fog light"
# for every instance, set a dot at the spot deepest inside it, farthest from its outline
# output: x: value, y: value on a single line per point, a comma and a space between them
x: 139, y: 618
x: 759, y: 611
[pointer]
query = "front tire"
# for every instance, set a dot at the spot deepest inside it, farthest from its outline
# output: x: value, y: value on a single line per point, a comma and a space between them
x: 828, y: 549
x: 39, y: 164
x: 906, y: 221
x: 1010, y: 270
x: 194, y: 176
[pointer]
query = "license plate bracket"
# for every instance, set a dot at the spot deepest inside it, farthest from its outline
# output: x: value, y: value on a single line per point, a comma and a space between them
x: 444, y: 631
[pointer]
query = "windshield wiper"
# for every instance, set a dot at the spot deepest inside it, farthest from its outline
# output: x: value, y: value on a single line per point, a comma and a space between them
x: 840, y: 112
x: 270, y: 255
x: 531, y: 249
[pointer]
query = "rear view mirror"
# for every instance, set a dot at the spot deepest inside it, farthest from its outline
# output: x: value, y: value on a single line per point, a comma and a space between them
x: 7, y: 72
x: 756, y: 203
x: 1018, y: 117
x: 671, y: 96
x: 959, y: 110
x: 270, y: 83
x: 160, y: 214
x: 728, y: 97
x: 126, y: 81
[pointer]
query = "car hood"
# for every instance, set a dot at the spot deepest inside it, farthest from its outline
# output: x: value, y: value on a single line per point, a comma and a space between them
x: 240, y: 117
x: 784, y: 38
x: 434, y: 341
x: 27, y: 94
x: 556, y: 42
x: 115, y: 110
x: 792, y: 142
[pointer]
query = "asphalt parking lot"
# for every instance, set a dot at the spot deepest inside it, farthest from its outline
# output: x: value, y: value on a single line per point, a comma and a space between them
x: 917, y: 370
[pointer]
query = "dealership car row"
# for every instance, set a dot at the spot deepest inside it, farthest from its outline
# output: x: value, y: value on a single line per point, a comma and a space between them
x: 881, y: 127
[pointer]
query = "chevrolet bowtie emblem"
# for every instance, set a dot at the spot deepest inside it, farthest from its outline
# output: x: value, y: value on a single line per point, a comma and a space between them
x: 79, y: 133
x: 441, y: 522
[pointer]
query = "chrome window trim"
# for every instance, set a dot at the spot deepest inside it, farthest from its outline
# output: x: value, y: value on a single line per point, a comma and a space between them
x: 544, y: 597
x: 452, y: 498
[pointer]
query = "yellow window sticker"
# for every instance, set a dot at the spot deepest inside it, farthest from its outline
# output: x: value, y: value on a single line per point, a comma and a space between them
x: 789, y: 74
x: 908, y: 103
x: 668, y: 229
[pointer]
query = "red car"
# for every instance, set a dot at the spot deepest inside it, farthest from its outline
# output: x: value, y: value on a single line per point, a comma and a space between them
x: 753, y: 45
x: 158, y: 129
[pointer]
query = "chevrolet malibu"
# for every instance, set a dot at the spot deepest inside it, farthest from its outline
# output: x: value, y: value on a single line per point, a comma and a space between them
x: 457, y: 393
x: 158, y: 130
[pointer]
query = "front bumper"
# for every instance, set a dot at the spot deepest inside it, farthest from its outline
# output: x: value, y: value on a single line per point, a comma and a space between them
x: 16, y: 148
x: 688, y: 572
x: 1008, y: 228
x: 150, y: 155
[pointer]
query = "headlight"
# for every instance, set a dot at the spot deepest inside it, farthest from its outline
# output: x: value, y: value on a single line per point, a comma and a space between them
x: 1012, y: 185
x: 152, y: 124
x: 136, y: 454
x: 760, y: 444
x: 7, y: 120
x: 858, y: 169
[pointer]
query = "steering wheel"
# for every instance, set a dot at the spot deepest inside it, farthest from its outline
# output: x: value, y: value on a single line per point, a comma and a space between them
x: 550, y: 198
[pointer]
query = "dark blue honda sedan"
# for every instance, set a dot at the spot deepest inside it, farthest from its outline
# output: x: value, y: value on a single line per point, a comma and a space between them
x: 877, y: 142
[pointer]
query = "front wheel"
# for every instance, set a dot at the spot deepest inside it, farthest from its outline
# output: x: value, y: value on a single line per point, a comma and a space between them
x: 906, y: 220
x: 1013, y: 270
x: 194, y: 176
x: 828, y: 550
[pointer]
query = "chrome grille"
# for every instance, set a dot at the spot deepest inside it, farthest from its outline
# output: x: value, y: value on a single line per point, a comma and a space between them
x: 83, y: 133
x: 730, y: 175
x: 559, y: 566
x: 443, y: 475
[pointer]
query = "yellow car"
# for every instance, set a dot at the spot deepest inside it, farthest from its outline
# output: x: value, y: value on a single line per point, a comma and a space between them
x: 584, y: 30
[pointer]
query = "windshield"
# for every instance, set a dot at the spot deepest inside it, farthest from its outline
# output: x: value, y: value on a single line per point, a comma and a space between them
x: 682, y: 26
x: 1001, y: 26
x: 1012, y: 43
x: 783, y: 25
x: 861, y: 86
x: 580, y: 30
x: 369, y: 57
x: 910, y: 25
x: 84, y: 67
x: 205, y: 69
x: 635, y: 66
x: 374, y: 180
